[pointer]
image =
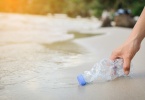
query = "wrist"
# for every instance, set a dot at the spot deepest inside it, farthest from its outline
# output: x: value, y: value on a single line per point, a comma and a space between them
x: 135, y: 38
x: 133, y: 43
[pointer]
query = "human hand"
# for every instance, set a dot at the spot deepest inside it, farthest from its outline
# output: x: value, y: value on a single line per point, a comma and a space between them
x: 126, y: 51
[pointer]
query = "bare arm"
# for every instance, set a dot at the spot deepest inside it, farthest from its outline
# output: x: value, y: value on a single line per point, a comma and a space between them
x: 138, y: 32
x: 132, y: 45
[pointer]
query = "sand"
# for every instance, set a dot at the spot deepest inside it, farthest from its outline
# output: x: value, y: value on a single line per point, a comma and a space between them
x: 48, y: 72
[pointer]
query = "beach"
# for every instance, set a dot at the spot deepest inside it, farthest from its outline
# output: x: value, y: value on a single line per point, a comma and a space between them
x: 40, y: 60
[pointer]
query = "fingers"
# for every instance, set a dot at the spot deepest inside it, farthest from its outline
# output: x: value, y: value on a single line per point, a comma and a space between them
x: 126, y: 65
x: 127, y: 61
x: 114, y: 56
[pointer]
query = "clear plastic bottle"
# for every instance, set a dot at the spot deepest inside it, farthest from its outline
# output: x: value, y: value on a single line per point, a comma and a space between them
x: 104, y: 70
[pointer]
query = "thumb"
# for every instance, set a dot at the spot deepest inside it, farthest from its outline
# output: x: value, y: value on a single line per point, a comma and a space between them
x: 114, y: 56
x: 126, y: 65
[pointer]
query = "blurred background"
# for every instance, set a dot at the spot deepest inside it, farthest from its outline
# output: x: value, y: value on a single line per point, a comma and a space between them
x: 106, y: 10
x: 73, y: 8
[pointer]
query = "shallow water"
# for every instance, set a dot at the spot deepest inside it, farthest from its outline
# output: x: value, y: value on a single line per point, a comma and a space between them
x: 30, y: 53
x: 28, y: 66
x: 23, y: 62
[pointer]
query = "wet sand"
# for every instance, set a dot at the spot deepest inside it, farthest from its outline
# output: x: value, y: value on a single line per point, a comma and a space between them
x: 42, y: 70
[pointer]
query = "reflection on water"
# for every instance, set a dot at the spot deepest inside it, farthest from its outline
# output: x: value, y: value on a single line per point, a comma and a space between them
x: 67, y: 47
x: 82, y: 35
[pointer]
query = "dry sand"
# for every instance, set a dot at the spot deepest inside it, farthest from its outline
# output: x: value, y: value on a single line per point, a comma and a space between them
x: 129, y: 88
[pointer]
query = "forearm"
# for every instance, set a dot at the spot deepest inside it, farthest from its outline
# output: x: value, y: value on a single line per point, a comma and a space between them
x: 138, y: 32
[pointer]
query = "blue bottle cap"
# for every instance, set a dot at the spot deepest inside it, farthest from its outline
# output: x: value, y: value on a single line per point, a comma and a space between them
x: 81, y: 80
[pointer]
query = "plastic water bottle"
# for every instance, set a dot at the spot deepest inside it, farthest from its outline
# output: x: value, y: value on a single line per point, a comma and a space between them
x: 104, y: 70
